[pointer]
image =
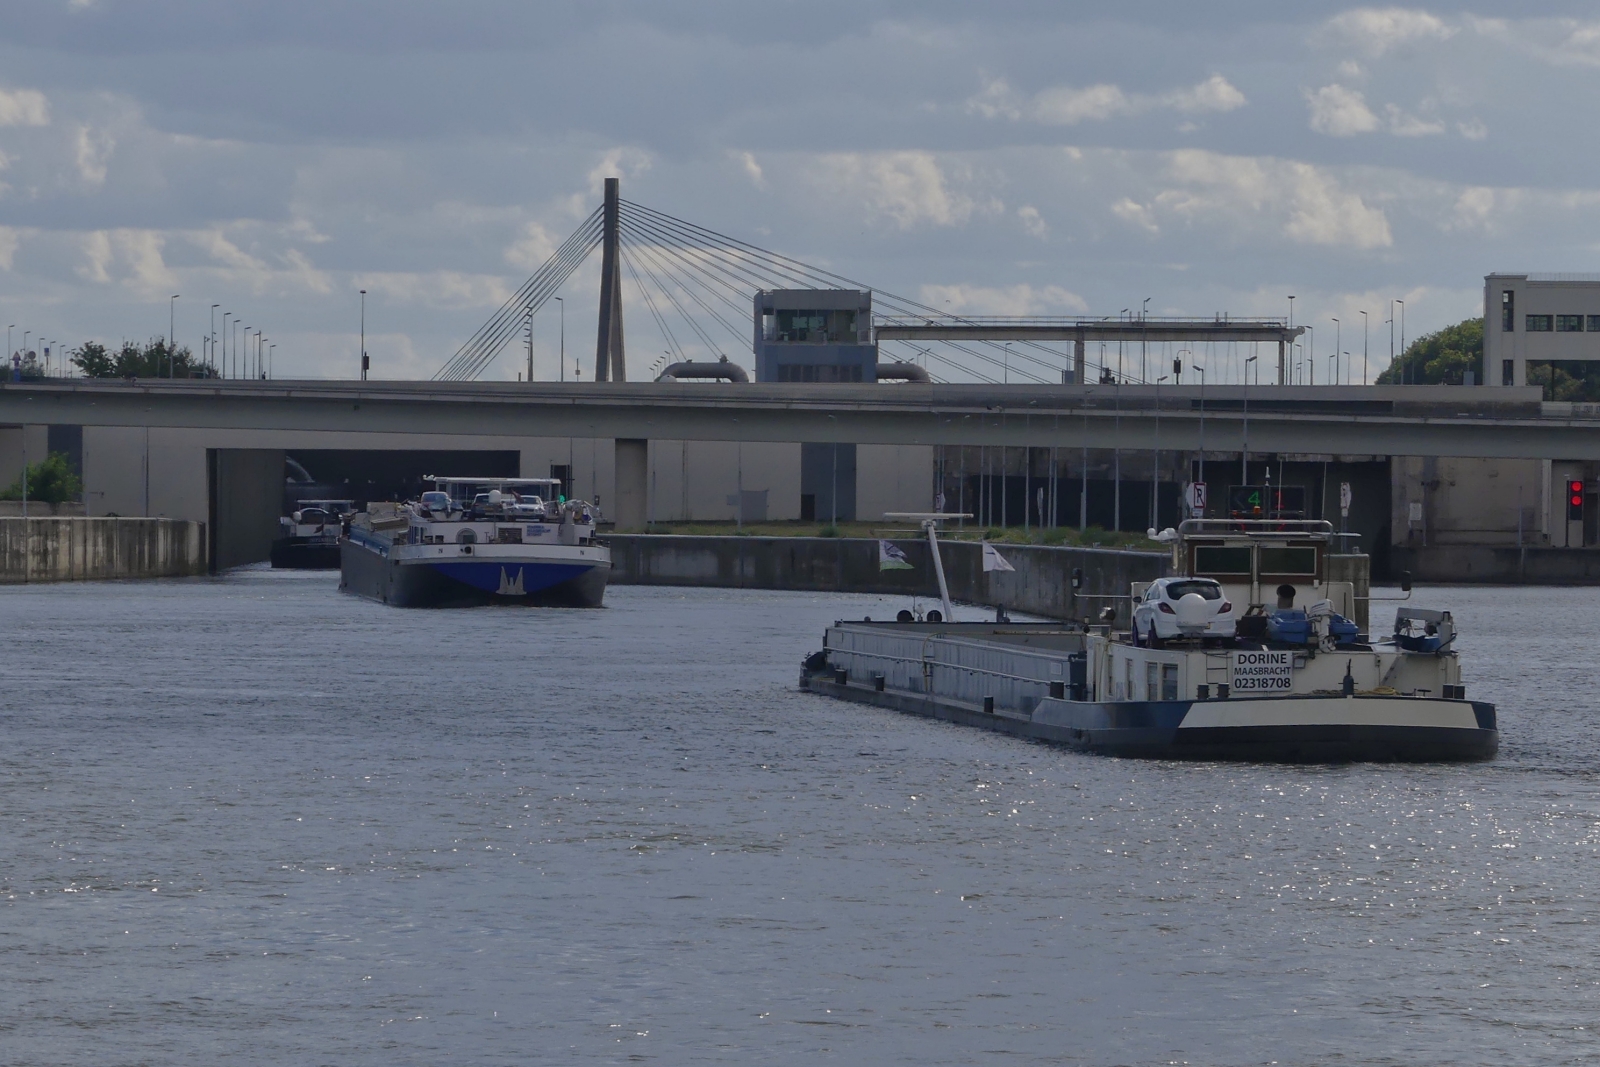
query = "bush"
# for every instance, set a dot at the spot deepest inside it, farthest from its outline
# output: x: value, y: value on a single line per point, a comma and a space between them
x: 49, y: 482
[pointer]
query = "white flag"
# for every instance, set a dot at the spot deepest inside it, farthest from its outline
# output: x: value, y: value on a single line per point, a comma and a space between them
x: 993, y: 560
x: 891, y: 557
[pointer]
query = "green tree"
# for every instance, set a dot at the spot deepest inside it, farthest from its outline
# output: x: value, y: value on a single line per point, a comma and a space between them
x: 50, y: 482
x: 154, y: 360
x: 1439, y: 358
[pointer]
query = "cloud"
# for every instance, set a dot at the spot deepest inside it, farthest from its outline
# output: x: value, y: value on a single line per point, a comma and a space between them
x: 1067, y: 106
x: 1378, y: 30
x: 1303, y: 203
x: 752, y: 170
x: 9, y: 240
x: 1213, y: 94
x: 1325, y: 214
x: 93, y: 151
x: 1130, y: 210
x: 1402, y: 124
x: 23, y: 107
x: 130, y: 257
x: 1023, y: 299
x: 531, y: 248
x: 1033, y: 222
x: 909, y: 188
x: 438, y: 289
x: 1340, y: 112
x: 624, y: 162
x: 1473, y: 210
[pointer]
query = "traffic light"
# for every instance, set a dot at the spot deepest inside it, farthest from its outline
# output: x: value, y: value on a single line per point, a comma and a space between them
x: 1574, y: 500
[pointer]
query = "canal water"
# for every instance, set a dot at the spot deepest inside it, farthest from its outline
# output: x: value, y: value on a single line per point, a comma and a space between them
x: 252, y: 821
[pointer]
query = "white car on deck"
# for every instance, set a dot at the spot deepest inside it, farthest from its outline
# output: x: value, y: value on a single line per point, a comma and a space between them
x: 1171, y: 608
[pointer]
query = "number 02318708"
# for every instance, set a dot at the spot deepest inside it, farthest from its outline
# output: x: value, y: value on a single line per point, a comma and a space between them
x: 1262, y: 672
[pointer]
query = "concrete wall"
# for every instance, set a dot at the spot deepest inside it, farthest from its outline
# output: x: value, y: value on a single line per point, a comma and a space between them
x: 246, y: 490
x: 893, y: 478
x: 698, y: 480
x: 1468, y: 501
x: 1041, y: 583
x: 60, y: 550
x: 1500, y: 565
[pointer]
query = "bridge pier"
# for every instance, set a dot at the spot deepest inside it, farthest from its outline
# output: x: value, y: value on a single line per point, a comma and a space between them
x: 632, y: 492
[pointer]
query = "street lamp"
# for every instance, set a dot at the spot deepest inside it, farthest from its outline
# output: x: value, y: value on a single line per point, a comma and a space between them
x: 225, y: 316
x: 1155, y: 463
x: 271, y: 350
x: 1363, y: 348
x: 562, y: 358
x: 238, y: 363
x: 1202, y: 372
x: 1337, y: 340
x: 1244, y: 452
x: 213, y: 335
x: 1005, y: 366
x: 1403, y: 370
x: 172, y: 328
x: 363, y: 335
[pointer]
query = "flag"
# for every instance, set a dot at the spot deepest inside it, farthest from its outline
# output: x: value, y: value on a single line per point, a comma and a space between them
x: 891, y: 558
x: 993, y: 560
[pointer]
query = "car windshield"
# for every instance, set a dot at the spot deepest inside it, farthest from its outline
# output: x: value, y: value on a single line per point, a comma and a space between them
x: 1209, y: 590
x: 435, y: 500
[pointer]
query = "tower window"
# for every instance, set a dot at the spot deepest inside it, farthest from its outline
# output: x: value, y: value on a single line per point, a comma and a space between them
x: 1508, y: 311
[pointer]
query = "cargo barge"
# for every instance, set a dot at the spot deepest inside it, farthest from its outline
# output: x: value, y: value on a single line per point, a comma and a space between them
x: 1191, y: 677
x: 476, y: 541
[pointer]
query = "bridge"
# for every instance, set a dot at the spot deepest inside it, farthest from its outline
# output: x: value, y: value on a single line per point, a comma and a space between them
x: 1373, y: 420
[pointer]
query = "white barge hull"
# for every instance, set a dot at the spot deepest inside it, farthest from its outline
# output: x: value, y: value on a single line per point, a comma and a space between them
x: 1020, y: 680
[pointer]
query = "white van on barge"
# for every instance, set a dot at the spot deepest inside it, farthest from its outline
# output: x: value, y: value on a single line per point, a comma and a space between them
x: 1293, y: 681
x: 473, y: 541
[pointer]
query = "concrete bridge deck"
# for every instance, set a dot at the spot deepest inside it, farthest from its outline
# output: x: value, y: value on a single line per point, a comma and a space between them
x: 1377, y: 420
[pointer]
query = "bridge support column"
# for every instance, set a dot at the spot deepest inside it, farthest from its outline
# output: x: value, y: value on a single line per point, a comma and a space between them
x: 609, y: 365
x: 1077, y: 360
x: 632, y: 483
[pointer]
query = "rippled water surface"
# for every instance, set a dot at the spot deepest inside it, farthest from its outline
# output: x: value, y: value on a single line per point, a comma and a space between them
x: 251, y: 820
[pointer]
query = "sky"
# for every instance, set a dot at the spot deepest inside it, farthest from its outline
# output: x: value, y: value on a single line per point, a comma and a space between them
x: 1025, y: 158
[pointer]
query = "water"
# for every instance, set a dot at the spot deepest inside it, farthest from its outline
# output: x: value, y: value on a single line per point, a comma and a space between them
x: 251, y: 820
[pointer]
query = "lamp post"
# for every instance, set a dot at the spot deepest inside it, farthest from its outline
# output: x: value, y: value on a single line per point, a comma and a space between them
x: 13, y: 326
x: 1155, y: 463
x: 530, y: 344
x: 1202, y: 372
x: 1403, y: 370
x: 1337, y: 343
x: 1311, y: 354
x: 1363, y: 348
x: 271, y: 351
x: 1005, y: 365
x: 236, y: 345
x: 226, y: 371
x: 213, y: 334
x: 172, y: 329
x: 562, y: 358
x: 1244, y: 452
x: 363, y: 335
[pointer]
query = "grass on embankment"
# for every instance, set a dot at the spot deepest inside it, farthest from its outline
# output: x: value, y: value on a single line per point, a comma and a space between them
x: 1093, y: 537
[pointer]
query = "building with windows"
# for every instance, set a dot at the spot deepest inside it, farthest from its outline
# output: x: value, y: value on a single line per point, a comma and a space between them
x: 1538, y: 319
x: 814, y: 335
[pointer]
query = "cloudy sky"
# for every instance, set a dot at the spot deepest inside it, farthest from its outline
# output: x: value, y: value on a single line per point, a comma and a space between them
x: 1003, y: 158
